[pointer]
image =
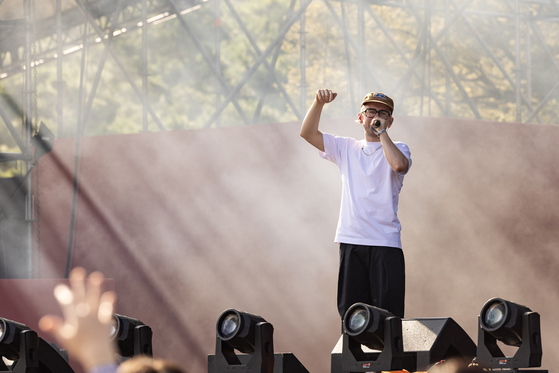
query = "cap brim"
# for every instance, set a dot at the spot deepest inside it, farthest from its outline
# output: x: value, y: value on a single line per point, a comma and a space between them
x: 378, y: 101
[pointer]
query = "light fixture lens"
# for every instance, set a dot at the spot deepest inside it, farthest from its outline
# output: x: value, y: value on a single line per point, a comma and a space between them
x: 230, y: 325
x: 357, y: 320
x: 113, y: 328
x: 495, y: 315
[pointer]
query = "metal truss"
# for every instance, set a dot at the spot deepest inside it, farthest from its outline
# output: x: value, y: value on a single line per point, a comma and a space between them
x: 53, y: 37
x: 436, y: 22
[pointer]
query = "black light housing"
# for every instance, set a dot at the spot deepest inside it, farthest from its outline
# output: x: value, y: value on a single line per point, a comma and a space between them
x: 132, y: 336
x: 514, y: 325
x: 247, y: 333
x: 238, y: 329
x: 378, y: 330
x: 30, y: 353
x: 366, y: 324
x: 10, y: 333
x: 254, y: 338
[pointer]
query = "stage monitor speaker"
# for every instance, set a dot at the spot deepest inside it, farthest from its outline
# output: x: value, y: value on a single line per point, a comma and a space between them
x: 426, y: 341
x: 429, y: 340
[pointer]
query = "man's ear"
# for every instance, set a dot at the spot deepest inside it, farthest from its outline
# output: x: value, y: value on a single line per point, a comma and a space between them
x: 391, y: 120
x: 359, y: 118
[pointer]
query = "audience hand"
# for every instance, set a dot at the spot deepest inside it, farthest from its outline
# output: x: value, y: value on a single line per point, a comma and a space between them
x: 85, y: 329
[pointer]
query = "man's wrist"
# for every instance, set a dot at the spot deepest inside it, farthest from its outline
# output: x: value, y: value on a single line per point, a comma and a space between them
x: 381, y: 132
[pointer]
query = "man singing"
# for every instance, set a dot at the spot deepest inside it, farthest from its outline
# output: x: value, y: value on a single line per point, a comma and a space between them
x: 372, y: 267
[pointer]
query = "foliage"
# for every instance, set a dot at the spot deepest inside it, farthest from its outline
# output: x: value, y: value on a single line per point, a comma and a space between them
x: 184, y: 92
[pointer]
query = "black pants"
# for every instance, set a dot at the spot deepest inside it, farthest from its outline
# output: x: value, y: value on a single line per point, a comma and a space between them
x: 374, y: 275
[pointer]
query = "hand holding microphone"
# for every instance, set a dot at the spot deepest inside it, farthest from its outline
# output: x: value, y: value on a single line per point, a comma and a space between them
x: 376, y: 125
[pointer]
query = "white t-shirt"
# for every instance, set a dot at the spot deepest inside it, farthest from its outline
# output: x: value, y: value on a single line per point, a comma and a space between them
x: 370, y: 191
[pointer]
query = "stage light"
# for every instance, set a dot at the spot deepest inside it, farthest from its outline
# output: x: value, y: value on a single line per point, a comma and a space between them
x: 29, y: 353
x: 132, y: 336
x: 514, y: 325
x: 247, y: 333
x: 252, y: 336
x: 377, y: 329
x: 366, y: 324
x: 10, y: 332
x: 238, y: 330
x: 503, y: 320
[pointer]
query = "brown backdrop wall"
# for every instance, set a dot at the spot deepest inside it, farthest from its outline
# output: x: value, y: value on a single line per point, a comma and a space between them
x: 189, y: 223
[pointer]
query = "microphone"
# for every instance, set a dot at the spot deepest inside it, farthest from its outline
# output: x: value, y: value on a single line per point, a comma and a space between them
x: 376, y: 123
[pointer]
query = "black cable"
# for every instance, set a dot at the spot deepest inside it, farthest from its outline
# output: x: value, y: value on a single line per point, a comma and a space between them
x: 73, y: 216
x: 77, y: 208
x: 38, y: 222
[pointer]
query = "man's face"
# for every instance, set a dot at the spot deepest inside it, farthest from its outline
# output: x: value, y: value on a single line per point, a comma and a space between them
x: 383, y: 114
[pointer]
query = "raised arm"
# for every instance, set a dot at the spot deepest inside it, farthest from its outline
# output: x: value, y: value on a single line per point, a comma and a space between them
x: 85, y: 329
x: 309, y: 128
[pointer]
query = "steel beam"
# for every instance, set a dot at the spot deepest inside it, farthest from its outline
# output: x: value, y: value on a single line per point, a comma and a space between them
x: 259, y: 61
x: 271, y: 73
x: 120, y: 65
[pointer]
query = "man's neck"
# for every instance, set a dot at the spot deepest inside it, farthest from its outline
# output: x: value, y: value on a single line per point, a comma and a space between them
x: 371, y: 138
